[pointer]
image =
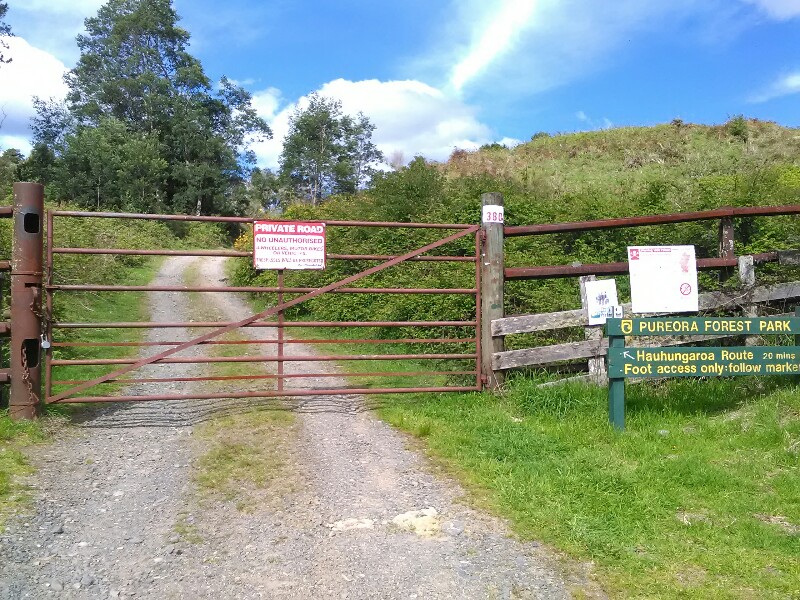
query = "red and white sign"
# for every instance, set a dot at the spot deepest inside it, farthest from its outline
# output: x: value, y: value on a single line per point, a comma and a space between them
x: 288, y: 245
x: 663, y: 279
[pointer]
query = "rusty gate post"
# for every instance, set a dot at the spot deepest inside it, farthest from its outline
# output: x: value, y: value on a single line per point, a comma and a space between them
x: 492, y: 280
x: 26, y: 301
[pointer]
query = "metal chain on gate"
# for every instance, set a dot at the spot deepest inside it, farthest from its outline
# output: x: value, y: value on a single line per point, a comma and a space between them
x: 44, y: 319
x: 26, y: 376
x: 35, y: 308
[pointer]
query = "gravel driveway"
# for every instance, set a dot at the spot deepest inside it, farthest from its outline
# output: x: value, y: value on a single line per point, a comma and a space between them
x: 367, y: 519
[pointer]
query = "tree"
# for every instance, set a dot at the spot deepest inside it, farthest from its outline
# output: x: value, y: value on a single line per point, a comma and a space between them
x: 361, y: 152
x: 5, y: 30
x: 135, y: 83
x: 112, y: 167
x: 408, y: 193
x: 264, y: 190
x: 10, y: 161
x: 326, y: 152
x: 39, y: 165
x: 52, y: 122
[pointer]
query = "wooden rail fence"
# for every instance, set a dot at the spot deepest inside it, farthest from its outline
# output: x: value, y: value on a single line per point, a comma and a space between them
x: 746, y: 298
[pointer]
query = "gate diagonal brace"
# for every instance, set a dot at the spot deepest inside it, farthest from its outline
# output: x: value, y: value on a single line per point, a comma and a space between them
x: 266, y: 313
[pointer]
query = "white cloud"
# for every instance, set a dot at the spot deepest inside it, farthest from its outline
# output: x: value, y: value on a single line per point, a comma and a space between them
x: 785, y: 85
x: 514, y: 47
x: 52, y: 25
x: 23, y: 144
x: 509, y: 142
x: 528, y: 46
x: 267, y: 102
x: 493, y: 40
x: 32, y: 72
x: 778, y: 9
x: 604, y: 123
x: 410, y: 117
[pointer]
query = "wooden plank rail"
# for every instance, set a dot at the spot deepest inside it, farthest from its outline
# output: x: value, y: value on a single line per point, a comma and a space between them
x: 708, y: 301
x: 531, y: 357
x: 789, y: 257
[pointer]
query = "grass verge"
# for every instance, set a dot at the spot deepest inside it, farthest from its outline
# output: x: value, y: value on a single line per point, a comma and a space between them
x: 15, y: 437
x: 699, y: 498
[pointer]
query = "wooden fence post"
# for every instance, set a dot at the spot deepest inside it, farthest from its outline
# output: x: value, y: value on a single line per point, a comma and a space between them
x: 492, y: 280
x: 747, y: 280
x: 597, y: 365
x: 726, y: 246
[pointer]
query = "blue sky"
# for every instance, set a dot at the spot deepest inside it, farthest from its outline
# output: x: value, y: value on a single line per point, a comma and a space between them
x: 438, y: 75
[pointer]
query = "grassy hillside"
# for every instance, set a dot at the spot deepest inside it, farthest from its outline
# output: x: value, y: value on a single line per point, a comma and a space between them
x: 740, y: 162
x: 571, y: 177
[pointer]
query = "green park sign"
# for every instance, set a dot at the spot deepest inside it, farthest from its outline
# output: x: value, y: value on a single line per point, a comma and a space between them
x: 626, y: 362
x: 703, y: 326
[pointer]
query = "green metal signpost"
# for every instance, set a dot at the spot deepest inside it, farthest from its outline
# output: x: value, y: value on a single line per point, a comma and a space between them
x: 730, y: 361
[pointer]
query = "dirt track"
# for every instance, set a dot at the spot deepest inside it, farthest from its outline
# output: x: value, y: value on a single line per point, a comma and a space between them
x: 115, y: 492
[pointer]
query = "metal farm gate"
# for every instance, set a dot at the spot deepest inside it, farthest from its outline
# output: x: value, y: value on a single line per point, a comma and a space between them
x: 270, y: 325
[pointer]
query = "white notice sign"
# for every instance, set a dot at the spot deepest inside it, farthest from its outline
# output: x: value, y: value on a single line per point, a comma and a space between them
x: 288, y: 245
x: 663, y: 279
x: 601, y: 299
x: 492, y: 214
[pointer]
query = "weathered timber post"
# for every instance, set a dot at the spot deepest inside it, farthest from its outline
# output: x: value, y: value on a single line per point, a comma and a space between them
x: 26, y: 301
x: 726, y: 246
x: 747, y: 280
x: 492, y: 280
x: 597, y: 366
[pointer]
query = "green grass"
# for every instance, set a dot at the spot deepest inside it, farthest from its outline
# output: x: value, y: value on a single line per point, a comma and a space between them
x: 15, y: 437
x: 187, y: 530
x: 245, y: 460
x: 699, y: 498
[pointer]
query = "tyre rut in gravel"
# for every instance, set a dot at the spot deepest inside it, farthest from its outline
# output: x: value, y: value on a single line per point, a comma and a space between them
x: 364, y: 518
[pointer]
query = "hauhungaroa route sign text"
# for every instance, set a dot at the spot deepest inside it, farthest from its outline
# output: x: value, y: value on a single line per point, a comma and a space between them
x: 699, y: 361
x: 703, y: 362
